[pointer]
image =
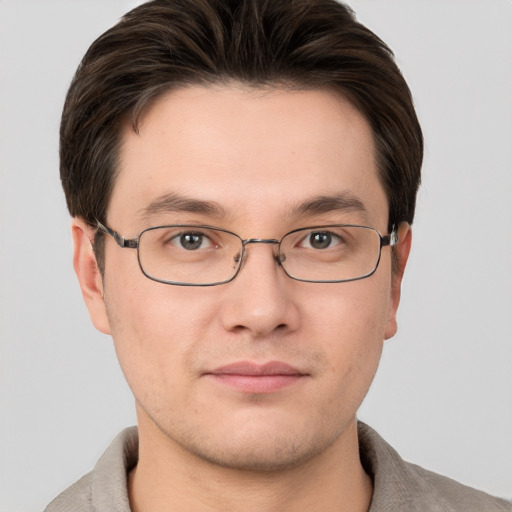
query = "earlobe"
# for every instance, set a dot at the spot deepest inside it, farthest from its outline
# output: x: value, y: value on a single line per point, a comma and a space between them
x: 89, y: 277
x: 402, y: 250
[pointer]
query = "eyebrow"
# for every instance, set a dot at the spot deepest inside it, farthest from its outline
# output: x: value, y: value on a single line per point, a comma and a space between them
x: 177, y: 203
x: 341, y: 202
x: 317, y: 205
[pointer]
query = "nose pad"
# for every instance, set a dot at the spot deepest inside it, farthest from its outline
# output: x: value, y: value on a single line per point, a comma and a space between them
x: 237, y: 257
x: 279, y: 258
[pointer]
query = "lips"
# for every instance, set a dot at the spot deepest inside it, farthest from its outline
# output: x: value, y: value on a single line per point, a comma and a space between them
x: 250, y: 377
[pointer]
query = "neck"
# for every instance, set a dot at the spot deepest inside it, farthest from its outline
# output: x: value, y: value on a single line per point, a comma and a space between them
x: 167, y: 478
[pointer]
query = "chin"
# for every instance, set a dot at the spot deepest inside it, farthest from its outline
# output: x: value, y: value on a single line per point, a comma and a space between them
x: 260, y: 448
x: 260, y: 457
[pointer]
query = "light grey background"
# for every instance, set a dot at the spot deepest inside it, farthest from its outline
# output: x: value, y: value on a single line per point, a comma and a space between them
x: 443, y: 393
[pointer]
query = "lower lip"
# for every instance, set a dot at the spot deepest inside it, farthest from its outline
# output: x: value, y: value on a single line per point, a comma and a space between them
x: 257, y: 383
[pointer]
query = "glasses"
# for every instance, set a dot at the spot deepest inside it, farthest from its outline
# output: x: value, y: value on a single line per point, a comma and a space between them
x: 189, y: 255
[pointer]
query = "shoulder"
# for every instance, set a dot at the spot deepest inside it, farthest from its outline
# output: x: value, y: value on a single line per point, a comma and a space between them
x: 105, y: 488
x: 77, y: 497
x: 402, y: 486
x: 454, y: 494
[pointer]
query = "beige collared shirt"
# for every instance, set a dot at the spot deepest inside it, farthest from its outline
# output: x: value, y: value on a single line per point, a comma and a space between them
x: 398, y: 485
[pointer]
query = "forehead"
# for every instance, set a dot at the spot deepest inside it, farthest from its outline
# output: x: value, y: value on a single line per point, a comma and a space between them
x: 252, y: 151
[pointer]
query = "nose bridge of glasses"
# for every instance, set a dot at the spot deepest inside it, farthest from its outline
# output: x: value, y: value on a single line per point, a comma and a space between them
x: 260, y: 241
x: 269, y: 241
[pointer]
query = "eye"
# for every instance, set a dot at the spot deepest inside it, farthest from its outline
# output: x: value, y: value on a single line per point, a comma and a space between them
x: 192, y: 241
x: 321, y: 240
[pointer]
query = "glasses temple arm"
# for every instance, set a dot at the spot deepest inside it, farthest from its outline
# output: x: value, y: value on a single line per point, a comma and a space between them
x: 121, y: 241
x: 391, y: 239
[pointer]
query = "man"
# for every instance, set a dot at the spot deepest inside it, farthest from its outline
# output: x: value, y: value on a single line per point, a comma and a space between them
x: 242, y: 177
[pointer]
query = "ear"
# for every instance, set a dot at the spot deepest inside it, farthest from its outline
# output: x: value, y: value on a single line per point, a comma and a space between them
x: 89, y: 277
x: 402, y: 250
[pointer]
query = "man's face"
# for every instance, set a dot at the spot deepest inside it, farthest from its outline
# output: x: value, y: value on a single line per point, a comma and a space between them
x: 257, y: 155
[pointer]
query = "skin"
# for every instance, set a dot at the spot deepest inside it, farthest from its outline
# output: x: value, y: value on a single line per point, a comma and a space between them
x: 205, y: 445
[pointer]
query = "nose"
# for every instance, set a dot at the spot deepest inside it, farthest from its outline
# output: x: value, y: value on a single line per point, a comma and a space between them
x: 260, y: 301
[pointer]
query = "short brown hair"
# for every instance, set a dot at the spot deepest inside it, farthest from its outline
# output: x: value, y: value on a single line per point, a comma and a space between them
x: 163, y: 44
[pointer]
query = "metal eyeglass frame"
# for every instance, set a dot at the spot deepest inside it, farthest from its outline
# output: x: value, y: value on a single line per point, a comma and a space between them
x: 133, y: 243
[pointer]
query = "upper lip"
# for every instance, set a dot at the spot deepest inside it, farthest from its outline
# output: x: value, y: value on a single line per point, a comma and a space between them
x: 255, y: 369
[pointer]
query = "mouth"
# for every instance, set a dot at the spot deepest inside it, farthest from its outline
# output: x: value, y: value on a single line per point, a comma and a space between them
x: 248, y: 377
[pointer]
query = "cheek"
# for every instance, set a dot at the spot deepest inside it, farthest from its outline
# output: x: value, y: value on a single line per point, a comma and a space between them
x: 155, y: 327
x: 352, y: 321
x: 355, y: 312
